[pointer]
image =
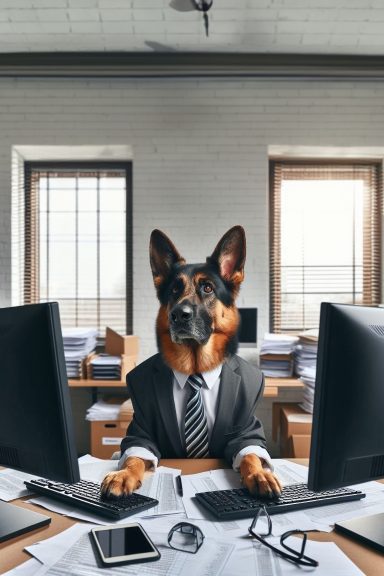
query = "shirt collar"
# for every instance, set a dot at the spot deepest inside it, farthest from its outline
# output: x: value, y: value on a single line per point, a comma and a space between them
x: 210, y: 377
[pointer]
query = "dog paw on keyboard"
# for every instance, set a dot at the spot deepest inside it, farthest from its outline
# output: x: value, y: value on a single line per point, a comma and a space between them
x: 258, y: 480
x: 125, y: 481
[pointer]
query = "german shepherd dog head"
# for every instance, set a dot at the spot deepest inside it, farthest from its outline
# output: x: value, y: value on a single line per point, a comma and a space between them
x: 198, y: 321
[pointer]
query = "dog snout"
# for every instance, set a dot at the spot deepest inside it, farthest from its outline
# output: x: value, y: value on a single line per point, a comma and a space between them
x: 181, y: 314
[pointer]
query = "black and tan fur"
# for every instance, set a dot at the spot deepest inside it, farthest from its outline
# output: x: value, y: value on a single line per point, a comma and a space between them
x: 196, y: 329
x: 208, y: 292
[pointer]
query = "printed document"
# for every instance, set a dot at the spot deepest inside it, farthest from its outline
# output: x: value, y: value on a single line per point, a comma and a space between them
x: 12, y: 484
x: 79, y: 560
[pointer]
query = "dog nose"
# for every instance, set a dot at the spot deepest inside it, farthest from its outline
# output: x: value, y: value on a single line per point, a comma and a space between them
x: 182, y: 313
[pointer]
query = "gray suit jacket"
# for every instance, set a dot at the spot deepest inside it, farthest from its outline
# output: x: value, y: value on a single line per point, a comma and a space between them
x: 154, y: 425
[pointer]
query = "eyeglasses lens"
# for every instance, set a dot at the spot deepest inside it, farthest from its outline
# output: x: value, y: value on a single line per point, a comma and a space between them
x: 262, y: 525
x: 187, y: 538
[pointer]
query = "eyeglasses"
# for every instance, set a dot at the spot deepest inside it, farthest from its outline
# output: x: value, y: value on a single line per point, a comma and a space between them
x: 298, y: 557
x: 185, y: 537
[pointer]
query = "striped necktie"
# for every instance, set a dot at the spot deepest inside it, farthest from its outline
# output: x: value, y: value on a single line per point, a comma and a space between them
x: 196, y: 428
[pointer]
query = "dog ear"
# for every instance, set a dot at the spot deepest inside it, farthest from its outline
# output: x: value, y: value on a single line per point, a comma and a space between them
x: 229, y: 255
x: 162, y: 255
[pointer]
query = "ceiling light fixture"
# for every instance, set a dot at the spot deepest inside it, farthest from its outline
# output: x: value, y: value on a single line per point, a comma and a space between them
x: 203, y: 6
x: 189, y: 5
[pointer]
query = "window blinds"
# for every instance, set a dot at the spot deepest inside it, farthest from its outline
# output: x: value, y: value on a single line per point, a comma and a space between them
x: 325, y: 239
x: 78, y: 242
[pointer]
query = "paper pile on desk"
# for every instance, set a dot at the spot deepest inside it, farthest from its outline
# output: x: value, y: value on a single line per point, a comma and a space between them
x: 305, y: 365
x: 226, y: 550
x: 78, y: 343
x: 106, y: 367
x: 276, y: 355
x: 308, y: 376
x: 103, y: 410
x: 71, y: 553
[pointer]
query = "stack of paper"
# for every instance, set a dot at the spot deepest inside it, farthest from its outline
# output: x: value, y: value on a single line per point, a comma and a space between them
x: 126, y: 411
x: 308, y: 376
x: 305, y: 365
x: 306, y: 351
x: 78, y: 343
x: 103, y: 410
x: 276, y: 355
x: 106, y: 367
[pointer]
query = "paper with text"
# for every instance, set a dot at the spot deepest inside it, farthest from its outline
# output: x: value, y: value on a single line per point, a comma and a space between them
x: 79, y: 560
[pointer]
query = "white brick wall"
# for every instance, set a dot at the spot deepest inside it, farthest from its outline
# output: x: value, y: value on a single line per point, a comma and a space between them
x: 200, y: 151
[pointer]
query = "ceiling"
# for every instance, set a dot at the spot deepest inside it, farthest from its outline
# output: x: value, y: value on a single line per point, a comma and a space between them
x: 254, y: 26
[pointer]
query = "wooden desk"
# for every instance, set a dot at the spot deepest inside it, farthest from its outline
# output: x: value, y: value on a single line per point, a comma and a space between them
x: 12, y: 554
x: 274, y: 385
x: 271, y: 389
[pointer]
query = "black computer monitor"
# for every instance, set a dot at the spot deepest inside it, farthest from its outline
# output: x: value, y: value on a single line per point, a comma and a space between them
x: 247, y: 335
x: 347, y: 445
x: 36, y: 428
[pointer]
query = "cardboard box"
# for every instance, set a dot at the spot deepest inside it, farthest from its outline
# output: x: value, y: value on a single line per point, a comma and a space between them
x: 106, y: 436
x: 117, y: 345
x: 300, y: 445
x: 128, y: 363
x: 291, y: 420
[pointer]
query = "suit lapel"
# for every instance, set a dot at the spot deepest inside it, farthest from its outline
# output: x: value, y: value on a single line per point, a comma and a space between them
x: 163, y: 385
x: 229, y: 385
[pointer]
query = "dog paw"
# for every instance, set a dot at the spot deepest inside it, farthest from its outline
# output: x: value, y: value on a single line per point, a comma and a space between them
x: 263, y: 483
x: 120, y: 483
x: 258, y: 480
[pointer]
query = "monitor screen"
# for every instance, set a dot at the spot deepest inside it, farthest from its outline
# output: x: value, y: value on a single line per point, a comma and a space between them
x: 248, y: 326
x: 347, y: 445
x: 36, y: 429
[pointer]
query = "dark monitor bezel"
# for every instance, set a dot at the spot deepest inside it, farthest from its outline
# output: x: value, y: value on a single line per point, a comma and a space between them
x: 58, y: 460
x: 345, y: 447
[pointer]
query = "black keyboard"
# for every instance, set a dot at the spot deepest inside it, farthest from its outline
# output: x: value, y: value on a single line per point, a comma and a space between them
x: 238, y: 503
x: 86, y: 495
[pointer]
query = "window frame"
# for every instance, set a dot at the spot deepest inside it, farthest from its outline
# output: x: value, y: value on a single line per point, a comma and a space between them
x: 31, y: 259
x: 372, y: 288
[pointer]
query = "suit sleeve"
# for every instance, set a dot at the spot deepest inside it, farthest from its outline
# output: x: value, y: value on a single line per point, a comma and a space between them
x: 138, y: 432
x: 251, y: 431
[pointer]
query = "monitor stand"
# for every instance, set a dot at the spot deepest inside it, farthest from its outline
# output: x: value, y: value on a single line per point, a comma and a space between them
x: 15, y: 520
x: 369, y: 530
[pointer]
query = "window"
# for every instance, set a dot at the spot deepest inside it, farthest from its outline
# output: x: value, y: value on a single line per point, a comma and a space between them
x: 78, y: 242
x: 325, y: 239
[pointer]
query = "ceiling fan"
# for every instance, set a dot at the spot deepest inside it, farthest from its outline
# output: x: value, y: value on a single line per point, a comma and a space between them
x: 189, y: 5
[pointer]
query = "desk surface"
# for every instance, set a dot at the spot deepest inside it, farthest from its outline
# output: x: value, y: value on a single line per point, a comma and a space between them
x: 271, y: 388
x: 12, y: 553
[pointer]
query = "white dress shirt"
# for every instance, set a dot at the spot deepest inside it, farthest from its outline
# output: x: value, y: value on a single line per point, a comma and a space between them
x: 210, y: 395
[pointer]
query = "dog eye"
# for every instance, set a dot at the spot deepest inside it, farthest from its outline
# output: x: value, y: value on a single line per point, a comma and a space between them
x: 208, y: 288
x: 177, y: 287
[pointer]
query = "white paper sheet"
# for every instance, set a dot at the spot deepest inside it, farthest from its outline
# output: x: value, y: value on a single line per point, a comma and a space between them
x: 161, y: 486
x: 12, y: 484
x: 50, y: 550
x: 78, y: 559
x: 71, y: 552
x: 96, y: 471
x: 257, y: 560
x: 28, y: 568
x: 290, y: 472
x: 373, y: 503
